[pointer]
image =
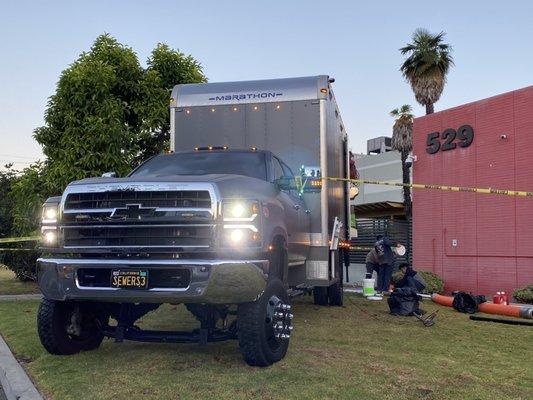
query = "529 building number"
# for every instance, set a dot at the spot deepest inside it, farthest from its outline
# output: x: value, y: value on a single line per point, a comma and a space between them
x: 464, y: 136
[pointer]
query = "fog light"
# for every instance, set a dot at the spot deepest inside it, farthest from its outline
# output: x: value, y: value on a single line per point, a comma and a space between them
x: 65, y: 271
x: 236, y: 235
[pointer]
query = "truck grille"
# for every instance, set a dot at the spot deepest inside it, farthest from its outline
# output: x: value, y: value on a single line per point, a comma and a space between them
x: 114, y: 199
x: 138, y: 219
x: 139, y: 236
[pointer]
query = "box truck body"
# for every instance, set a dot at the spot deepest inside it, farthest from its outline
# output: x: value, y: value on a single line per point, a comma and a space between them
x: 297, y: 119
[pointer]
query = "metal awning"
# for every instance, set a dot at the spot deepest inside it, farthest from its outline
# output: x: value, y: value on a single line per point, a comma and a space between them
x: 381, y: 209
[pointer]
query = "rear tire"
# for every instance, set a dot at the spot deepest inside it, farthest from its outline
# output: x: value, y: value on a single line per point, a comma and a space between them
x: 335, y: 291
x: 257, y: 341
x: 336, y: 295
x: 55, y: 319
x: 320, y: 296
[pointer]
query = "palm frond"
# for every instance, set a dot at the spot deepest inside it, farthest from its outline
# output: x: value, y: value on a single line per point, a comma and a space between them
x: 428, y: 60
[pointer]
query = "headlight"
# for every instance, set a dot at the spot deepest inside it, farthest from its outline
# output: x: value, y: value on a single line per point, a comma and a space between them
x: 242, y: 223
x: 237, y: 210
x: 49, y: 214
x: 241, y: 236
x: 236, y: 235
x: 49, y: 237
x: 240, y: 211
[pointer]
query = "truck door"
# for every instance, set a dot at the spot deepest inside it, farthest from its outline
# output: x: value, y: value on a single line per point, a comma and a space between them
x: 301, y: 235
x: 291, y: 209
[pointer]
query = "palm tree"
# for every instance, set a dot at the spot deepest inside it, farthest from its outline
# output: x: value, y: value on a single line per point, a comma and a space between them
x: 426, y: 67
x: 402, y: 141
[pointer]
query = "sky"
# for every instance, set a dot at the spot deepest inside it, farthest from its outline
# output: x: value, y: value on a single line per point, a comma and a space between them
x: 356, y: 43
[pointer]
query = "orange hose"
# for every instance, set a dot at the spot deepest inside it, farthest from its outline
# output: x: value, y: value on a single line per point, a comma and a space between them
x: 500, y: 309
x: 489, y: 308
x: 442, y: 300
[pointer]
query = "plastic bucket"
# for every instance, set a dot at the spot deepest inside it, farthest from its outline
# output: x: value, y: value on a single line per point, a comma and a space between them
x: 368, y: 287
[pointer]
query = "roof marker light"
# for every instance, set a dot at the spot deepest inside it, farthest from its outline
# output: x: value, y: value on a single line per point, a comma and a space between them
x: 212, y: 110
x: 324, y: 90
x: 187, y: 111
x: 256, y: 108
x: 235, y: 108
x: 253, y: 148
x: 278, y: 107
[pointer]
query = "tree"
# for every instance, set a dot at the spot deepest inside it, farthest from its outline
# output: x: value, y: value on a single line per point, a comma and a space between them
x: 166, y: 68
x: 402, y: 141
x: 108, y: 112
x: 429, y: 61
x: 8, y: 177
x: 28, y: 193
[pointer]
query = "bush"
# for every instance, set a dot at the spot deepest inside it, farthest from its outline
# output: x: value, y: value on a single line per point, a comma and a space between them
x: 524, y: 295
x: 434, y: 282
x: 22, y: 263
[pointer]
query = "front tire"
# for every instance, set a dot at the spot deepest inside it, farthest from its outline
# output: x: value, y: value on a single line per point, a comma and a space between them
x: 264, y: 326
x: 67, y: 327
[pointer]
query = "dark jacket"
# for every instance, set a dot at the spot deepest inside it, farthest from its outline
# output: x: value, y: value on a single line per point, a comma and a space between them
x: 412, y: 279
x: 384, y: 251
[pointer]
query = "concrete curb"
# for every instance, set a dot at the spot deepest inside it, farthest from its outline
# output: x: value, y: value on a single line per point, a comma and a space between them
x: 15, y: 382
x: 12, y: 297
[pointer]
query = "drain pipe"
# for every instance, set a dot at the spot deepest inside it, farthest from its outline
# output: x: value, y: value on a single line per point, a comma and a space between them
x: 490, y: 308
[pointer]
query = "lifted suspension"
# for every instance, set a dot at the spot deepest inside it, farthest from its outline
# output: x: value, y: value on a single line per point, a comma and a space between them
x: 127, y: 314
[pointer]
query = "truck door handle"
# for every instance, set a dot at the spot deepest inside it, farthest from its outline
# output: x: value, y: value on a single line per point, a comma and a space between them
x: 296, y: 206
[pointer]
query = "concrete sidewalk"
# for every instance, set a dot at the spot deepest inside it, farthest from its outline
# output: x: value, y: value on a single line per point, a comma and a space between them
x: 14, y: 381
x: 11, y: 297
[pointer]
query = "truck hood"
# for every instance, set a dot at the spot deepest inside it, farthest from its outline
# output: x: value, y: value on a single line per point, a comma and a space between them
x: 229, y: 186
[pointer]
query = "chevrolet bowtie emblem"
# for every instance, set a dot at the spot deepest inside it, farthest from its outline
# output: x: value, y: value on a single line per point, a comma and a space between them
x: 132, y: 211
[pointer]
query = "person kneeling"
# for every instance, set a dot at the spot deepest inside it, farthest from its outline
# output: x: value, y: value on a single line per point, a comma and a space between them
x: 410, y: 278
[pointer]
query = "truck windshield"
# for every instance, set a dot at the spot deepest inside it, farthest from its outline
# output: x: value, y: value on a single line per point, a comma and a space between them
x: 203, y: 163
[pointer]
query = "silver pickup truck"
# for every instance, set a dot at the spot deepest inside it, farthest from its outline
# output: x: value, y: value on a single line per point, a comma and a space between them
x: 225, y: 228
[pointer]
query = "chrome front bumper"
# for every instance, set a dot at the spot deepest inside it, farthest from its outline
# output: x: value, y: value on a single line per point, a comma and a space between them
x: 212, y: 281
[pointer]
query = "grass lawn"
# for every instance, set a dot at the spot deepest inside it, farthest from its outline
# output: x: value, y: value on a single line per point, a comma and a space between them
x: 358, y: 351
x: 10, y: 285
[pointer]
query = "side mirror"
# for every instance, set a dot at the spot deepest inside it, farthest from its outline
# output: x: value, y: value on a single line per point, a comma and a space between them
x: 285, y: 183
x: 109, y: 175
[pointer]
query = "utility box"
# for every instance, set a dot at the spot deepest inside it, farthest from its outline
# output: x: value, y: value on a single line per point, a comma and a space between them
x: 477, y: 242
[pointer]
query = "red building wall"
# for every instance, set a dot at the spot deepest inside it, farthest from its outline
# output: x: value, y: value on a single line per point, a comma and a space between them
x: 477, y: 242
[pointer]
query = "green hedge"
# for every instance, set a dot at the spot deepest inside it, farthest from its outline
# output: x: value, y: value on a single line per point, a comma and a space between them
x: 434, y: 282
x: 22, y: 263
x: 524, y: 295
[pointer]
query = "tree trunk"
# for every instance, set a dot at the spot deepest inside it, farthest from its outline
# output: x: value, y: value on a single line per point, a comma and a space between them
x: 429, y: 109
x: 406, y: 178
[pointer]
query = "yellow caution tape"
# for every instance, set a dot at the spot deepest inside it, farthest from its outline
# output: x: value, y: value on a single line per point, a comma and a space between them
x: 301, y: 185
x: 20, y: 239
x: 518, y: 193
x: 353, y: 248
x: 15, y: 249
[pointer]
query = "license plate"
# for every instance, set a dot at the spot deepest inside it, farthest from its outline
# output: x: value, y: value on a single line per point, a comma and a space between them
x: 129, y: 279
